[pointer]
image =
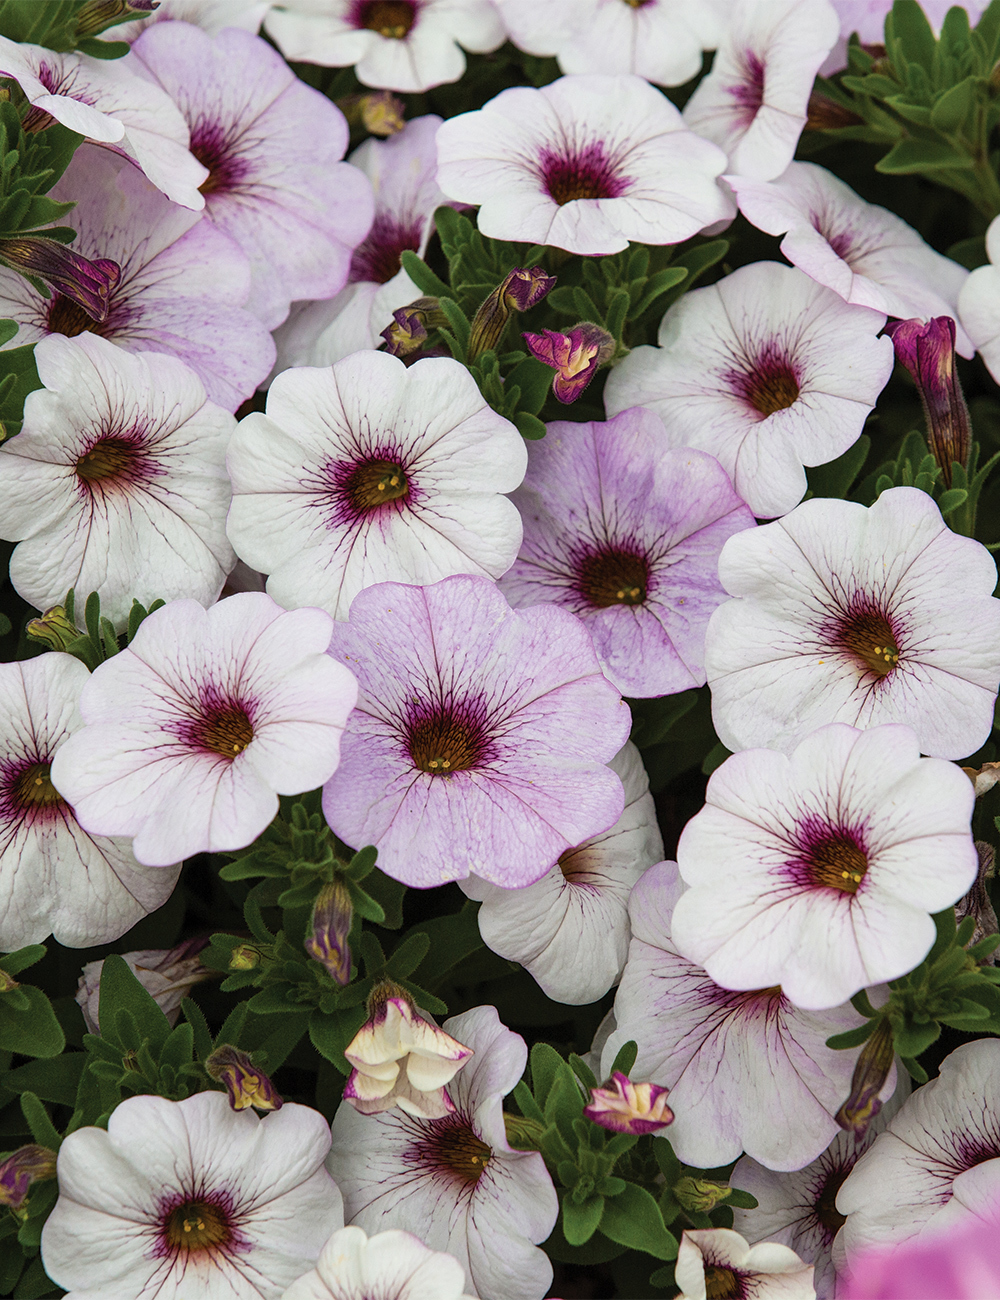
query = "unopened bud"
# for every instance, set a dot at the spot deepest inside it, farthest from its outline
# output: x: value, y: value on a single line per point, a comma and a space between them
x: 87, y: 283
x: 7, y: 983
x: 870, y: 1073
x: 244, y: 957
x: 699, y: 1194
x: 54, y: 628
x: 575, y: 357
x: 927, y: 350
x: 96, y: 15
x: 627, y: 1107
x: 983, y: 778
x: 246, y: 1084
x: 27, y: 1165
x: 379, y: 112
x: 522, y: 1133
x: 520, y: 290
x: 329, y: 927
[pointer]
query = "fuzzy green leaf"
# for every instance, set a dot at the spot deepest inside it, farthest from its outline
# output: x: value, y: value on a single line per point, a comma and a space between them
x: 580, y: 1222
x: 633, y: 1219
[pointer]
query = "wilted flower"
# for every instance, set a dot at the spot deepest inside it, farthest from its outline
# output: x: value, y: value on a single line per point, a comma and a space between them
x: 628, y: 1107
x: 329, y: 926
x: 977, y: 902
x: 928, y: 353
x: 28, y: 1164
x: 167, y: 974
x: 575, y: 357
x: 87, y: 283
x: 714, y: 1262
x: 353, y: 1266
x: 246, y: 1083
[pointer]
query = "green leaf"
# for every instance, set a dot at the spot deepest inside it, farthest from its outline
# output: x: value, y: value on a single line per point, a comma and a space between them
x: 742, y: 1200
x: 852, y: 1038
x: 952, y: 499
x: 652, y: 720
x: 658, y: 284
x: 836, y: 478
x: 55, y: 1079
x: 913, y: 1039
x: 178, y: 1050
x: 120, y: 990
x: 696, y: 260
x: 527, y: 1105
x: 915, y: 1069
x: 909, y: 33
x: 545, y: 1066
x: 580, y: 1222
x: 534, y: 379
x: 409, y: 954
x: 15, y: 962
x: 582, y: 1071
x: 42, y: 1129
x: 33, y: 1030
x: 911, y: 156
x: 389, y: 894
x: 625, y: 1059
x: 955, y: 105
x: 195, y: 1017
x: 529, y: 426
x: 633, y: 1219
x: 279, y: 1045
x: 451, y: 939
x: 331, y: 1034
x: 422, y: 276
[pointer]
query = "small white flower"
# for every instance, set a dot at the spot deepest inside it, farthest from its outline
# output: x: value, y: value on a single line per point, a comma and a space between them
x: 189, y: 1200
x: 753, y: 102
x: 371, y: 472
x: 353, y: 1266
x: 570, y: 929
x: 117, y: 482
x: 714, y: 1262
x: 767, y: 371
x: 819, y: 871
x: 586, y: 164
x: 844, y: 613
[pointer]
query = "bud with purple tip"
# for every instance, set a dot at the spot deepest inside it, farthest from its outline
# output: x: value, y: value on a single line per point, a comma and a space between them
x: 627, y: 1107
x: 27, y: 1165
x: 575, y: 357
x: 326, y: 941
x: 520, y: 290
x: 927, y: 350
x: 88, y: 283
x: 870, y: 1073
x: 245, y: 1082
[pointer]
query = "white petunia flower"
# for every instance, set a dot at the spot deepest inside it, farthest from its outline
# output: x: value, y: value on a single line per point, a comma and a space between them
x: 209, y: 715
x: 54, y: 877
x: 570, y: 929
x: 819, y: 871
x: 865, y: 253
x: 585, y: 164
x: 660, y: 40
x: 937, y: 1167
x: 844, y: 613
x: 106, y: 102
x: 713, y: 1262
x: 455, y: 1181
x: 117, y: 482
x: 753, y: 102
x: 407, y: 45
x: 767, y: 371
x: 353, y: 1266
x: 745, y: 1071
x: 977, y: 304
x: 371, y: 472
x: 191, y: 1200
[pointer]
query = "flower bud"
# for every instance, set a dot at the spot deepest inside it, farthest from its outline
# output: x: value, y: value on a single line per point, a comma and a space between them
x: 928, y: 353
x: 96, y: 15
x: 54, y: 628
x: 401, y: 1059
x: 627, y: 1107
x: 27, y: 1165
x: 246, y: 1084
x: 575, y: 357
x: 519, y: 291
x: 976, y: 902
x: 825, y: 114
x: 699, y: 1194
x: 329, y: 927
x: 406, y: 334
x: 870, y: 1073
x: 244, y: 957
x: 88, y: 283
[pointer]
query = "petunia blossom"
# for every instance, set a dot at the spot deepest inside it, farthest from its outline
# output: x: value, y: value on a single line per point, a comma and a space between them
x: 746, y: 1071
x: 370, y: 472
x: 210, y: 15
x: 570, y: 930
x: 273, y: 146
x: 661, y: 40
x: 403, y: 174
x: 767, y: 371
x: 179, y: 1199
x: 626, y: 532
x: 212, y: 713
x: 977, y: 304
x: 624, y: 1106
x: 406, y: 45
x: 819, y: 871
x: 753, y: 102
x: 586, y: 164
x: 456, y: 1182
x: 719, y: 1262
x: 117, y: 481
x: 55, y: 878
x: 480, y: 738
x: 182, y: 285
x: 960, y: 1263
x: 353, y: 1266
x: 843, y: 613
x: 107, y: 103
x: 575, y: 357
x: 861, y: 251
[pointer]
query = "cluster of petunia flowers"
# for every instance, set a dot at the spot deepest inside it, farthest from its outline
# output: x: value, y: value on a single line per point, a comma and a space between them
x: 450, y: 620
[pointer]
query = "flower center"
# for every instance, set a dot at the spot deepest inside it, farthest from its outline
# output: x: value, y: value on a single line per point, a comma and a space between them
x: 67, y: 317
x: 197, y: 1225
x: 576, y: 865
x: 108, y: 458
x: 748, y: 93
x: 390, y: 18
x: 827, y: 1213
x: 33, y: 789
x: 374, y: 483
x: 769, y: 384
x: 722, y: 1283
x: 459, y: 1150
x: 614, y: 576
x: 227, y: 731
x: 586, y: 173
x: 210, y: 147
x: 441, y: 743
x: 836, y: 861
x: 637, y: 4
x: 378, y: 258
x: 868, y: 636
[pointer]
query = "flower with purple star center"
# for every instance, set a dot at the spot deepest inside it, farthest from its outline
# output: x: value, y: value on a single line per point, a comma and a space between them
x: 581, y: 173
x: 371, y: 484
x: 197, y: 1221
x: 378, y: 258
x: 827, y: 856
x: 214, y: 150
x: 767, y: 382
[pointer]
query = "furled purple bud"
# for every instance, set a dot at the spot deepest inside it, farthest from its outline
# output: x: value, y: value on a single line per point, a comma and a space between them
x: 927, y: 350
x: 245, y: 1082
x: 575, y: 357
x: 27, y: 1165
x: 96, y: 15
x: 627, y: 1107
x: 520, y: 290
x: 89, y: 284
x: 329, y: 927
x: 870, y: 1073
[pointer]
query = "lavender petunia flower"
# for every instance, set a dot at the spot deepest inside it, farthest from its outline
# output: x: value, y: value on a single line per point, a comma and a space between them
x: 627, y: 533
x: 746, y: 1071
x: 213, y: 712
x: 273, y: 146
x: 455, y: 1181
x: 182, y: 285
x: 480, y: 737
x: 585, y: 163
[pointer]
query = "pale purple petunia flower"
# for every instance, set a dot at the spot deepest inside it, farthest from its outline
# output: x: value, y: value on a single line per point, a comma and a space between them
x: 196, y: 728
x: 626, y: 532
x: 273, y: 147
x: 586, y: 164
x: 182, y: 287
x: 861, y: 251
x: 480, y: 737
x: 456, y: 1182
x: 746, y: 1071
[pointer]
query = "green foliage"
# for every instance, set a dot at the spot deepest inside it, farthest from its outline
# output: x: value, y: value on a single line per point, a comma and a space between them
x: 57, y: 629
x: 28, y: 1025
x: 914, y: 466
x: 62, y: 25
